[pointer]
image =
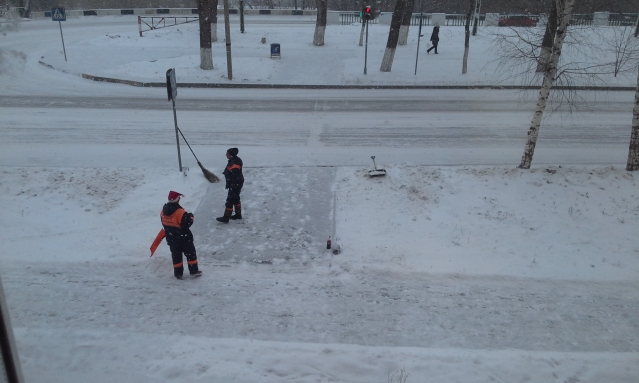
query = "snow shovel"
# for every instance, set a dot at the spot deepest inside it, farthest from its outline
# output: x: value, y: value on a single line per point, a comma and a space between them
x: 376, y: 172
x: 207, y: 174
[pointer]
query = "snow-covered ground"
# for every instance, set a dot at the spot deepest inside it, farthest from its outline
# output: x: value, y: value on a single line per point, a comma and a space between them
x: 481, y: 273
x: 339, y: 62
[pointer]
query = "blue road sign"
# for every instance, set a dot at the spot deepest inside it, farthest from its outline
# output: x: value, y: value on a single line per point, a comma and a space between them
x: 58, y: 14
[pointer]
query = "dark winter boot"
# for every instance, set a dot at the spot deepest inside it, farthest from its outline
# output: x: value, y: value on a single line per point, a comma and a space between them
x: 227, y: 215
x: 238, y: 212
x: 178, y: 269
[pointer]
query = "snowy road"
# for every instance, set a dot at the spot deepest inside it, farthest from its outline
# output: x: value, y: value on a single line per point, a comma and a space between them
x: 318, y: 130
x: 278, y: 303
x: 314, y: 100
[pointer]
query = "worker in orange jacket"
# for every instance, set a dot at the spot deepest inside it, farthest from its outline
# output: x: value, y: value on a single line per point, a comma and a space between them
x: 177, y: 222
x: 234, y: 183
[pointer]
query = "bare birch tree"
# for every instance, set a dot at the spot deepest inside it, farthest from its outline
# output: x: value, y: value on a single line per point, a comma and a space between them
x: 320, y: 24
x: 393, y: 36
x: 206, y: 54
x: 403, y: 30
x: 467, y: 37
x: 516, y: 50
x: 621, y: 47
x: 549, y: 36
x: 633, y: 152
x: 564, y: 10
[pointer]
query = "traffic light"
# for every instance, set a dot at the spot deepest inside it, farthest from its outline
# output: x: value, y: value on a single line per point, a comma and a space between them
x: 367, y: 13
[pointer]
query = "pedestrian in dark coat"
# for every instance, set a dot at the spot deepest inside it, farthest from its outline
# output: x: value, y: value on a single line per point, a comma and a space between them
x: 177, y: 222
x: 234, y: 183
x: 434, y: 38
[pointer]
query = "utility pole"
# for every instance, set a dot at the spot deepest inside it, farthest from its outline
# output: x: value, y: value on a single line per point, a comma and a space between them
x: 241, y: 16
x: 227, y: 32
x: 633, y: 150
x: 419, y: 34
x: 366, y: 48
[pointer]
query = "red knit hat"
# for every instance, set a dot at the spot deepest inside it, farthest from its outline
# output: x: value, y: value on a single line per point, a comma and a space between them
x: 174, y: 196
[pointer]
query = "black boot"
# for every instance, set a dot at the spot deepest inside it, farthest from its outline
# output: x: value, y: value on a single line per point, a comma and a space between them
x: 238, y: 212
x: 226, y: 216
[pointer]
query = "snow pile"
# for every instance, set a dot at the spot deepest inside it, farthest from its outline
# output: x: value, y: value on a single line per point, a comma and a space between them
x: 571, y: 222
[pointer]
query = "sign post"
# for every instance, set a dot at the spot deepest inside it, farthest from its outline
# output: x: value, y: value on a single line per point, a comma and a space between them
x: 171, y: 89
x: 419, y: 34
x: 59, y: 15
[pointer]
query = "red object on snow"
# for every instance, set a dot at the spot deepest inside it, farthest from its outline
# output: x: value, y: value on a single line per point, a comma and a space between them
x: 156, y: 241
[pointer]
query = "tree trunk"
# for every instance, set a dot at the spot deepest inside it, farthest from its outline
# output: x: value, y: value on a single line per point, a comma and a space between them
x: 403, y: 30
x: 213, y: 5
x: 546, y: 44
x: 206, y: 55
x: 393, y: 36
x: 320, y: 25
x: 564, y: 9
x: 467, y: 38
x: 633, y: 152
x: 227, y: 38
x: 476, y: 16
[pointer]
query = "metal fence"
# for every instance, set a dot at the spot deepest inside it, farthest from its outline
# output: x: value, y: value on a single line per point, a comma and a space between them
x: 348, y: 18
x: 583, y: 19
x: 460, y: 20
x: 455, y: 20
x: 414, y: 20
x: 623, y: 19
x: 146, y: 24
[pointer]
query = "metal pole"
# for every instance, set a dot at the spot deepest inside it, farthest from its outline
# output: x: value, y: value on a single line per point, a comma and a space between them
x: 177, y: 138
x: 63, y: 48
x: 366, y: 48
x: 419, y: 35
x: 241, y: 16
x: 227, y: 30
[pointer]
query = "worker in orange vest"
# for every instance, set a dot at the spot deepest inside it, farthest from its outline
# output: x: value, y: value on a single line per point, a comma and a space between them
x: 177, y: 222
x: 234, y: 183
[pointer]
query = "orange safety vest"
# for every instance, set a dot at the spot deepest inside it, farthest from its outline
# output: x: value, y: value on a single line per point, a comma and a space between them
x: 173, y: 220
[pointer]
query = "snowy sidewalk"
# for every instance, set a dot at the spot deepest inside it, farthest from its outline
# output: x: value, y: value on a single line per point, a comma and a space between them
x: 287, y: 215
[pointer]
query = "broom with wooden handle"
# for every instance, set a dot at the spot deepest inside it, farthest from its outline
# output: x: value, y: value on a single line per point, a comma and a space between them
x: 207, y: 174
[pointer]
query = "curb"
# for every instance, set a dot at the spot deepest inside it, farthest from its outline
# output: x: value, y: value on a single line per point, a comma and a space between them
x: 298, y: 86
x: 142, y: 84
